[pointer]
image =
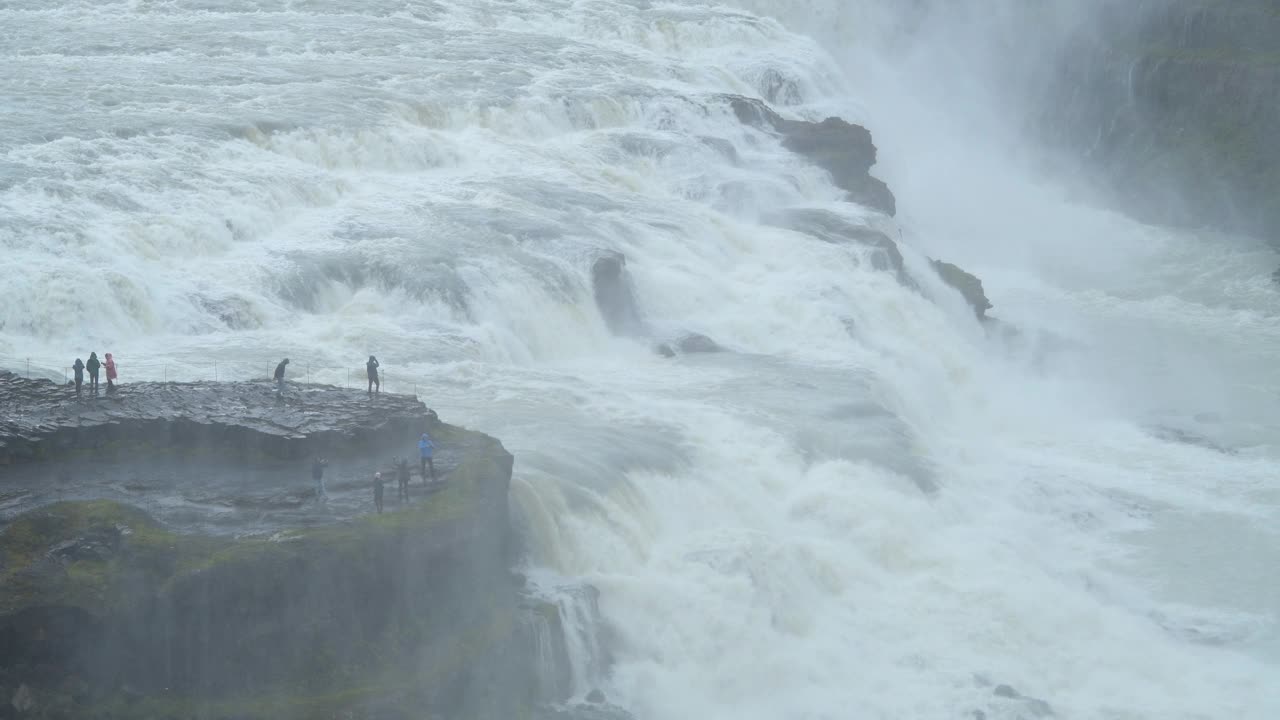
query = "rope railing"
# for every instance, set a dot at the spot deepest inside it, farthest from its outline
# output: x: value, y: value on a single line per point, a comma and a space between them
x: 213, y: 371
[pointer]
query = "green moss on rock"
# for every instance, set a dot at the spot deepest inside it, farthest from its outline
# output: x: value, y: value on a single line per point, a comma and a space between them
x: 379, y: 616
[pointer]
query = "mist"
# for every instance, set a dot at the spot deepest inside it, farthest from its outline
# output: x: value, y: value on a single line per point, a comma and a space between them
x: 770, y: 453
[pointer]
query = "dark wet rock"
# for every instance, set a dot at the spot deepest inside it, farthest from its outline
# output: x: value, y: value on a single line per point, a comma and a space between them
x: 698, y: 343
x: 596, y: 696
x: 615, y: 296
x: 1036, y: 707
x: 843, y: 149
x: 583, y: 711
x: 1176, y: 106
x: 223, y: 420
x: 724, y: 147
x: 689, y: 344
x: 1188, y: 437
x: 302, y: 621
x: 780, y: 88
x: 1275, y: 276
x: 968, y: 284
x: 235, y: 313
x: 831, y: 227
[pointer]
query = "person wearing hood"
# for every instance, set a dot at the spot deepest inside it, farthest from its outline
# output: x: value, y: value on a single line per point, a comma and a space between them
x: 110, y: 365
x: 371, y: 368
x: 78, y: 368
x: 92, y: 366
x: 279, y: 376
x: 377, y: 491
x: 425, y: 449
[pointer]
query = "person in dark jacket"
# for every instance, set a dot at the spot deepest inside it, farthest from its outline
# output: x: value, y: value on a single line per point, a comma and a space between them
x: 93, y: 366
x: 372, y: 368
x: 280, y: 376
x: 377, y: 491
x: 402, y: 478
x: 78, y: 368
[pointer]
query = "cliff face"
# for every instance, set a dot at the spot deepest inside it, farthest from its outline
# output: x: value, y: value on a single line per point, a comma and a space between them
x: 325, y: 611
x: 1178, y: 104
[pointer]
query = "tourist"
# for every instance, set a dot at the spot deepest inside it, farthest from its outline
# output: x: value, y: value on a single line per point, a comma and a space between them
x: 371, y: 368
x: 79, y: 371
x: 92, y: 366
x: 317, y: 474
x: 110, y: 364
x: 280, y: 376
x: 402, y: 477
x: 377, y: 491
x: 425, y: 448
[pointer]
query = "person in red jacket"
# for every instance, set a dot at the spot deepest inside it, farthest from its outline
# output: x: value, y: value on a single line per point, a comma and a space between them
x: 110, y: 364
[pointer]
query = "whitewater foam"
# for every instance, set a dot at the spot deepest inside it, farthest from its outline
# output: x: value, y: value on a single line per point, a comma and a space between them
x: 861, y: 507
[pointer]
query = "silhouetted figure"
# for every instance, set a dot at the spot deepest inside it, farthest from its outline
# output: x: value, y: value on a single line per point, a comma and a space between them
x: 425, y: 449
x: 372, y: 368
x: 110, y: 365
x: 78, y: 368
x: 317, y: 474
x: 92, y: 366
x: 377, y: 491
x: 280, y: 377
x: 402, y: 477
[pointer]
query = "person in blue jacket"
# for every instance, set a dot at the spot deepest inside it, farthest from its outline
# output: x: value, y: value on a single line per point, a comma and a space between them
x: 425, y: 448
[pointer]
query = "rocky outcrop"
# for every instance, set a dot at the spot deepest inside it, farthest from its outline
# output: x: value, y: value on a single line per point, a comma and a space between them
x: 885, y: 255
x: 113, y: 605
x: 843, y: 149
x: 1177, y: 105
x: 1009, y: 703
x: 614, y: 295
x: 969, y: 285
x: 826, y: 225
x: 691, y: 343
x: 239, y: 422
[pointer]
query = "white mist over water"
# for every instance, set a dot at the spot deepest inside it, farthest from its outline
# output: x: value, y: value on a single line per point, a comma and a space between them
x: 430, y: 181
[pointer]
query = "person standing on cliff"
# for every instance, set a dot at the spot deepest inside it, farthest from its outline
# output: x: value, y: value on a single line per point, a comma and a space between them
x: 371, y: 368
x: 402, y: 478
x: 317, y: 474
x: 110, y: 365
x: 92, y: 366
x: 425, y: 449
x: 377, y: 491
x: 78, y: 369
x: 280, y: 377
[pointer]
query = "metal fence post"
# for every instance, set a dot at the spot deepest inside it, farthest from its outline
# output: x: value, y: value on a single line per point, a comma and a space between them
x: 215, y: 371
x: 166, y: 373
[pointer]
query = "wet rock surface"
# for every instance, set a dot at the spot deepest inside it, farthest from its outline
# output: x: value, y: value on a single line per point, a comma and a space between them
x: 843, y: 149
x: 825, y: 225
x: 227, y: 458
x: 968, y: 284
x: 1176, y: 105
x: 164, y: 553
x: 614, y: 295
x: 246, y: 420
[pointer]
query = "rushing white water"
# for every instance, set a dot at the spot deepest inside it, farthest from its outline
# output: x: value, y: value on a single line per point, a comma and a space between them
x: 864, y: 509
